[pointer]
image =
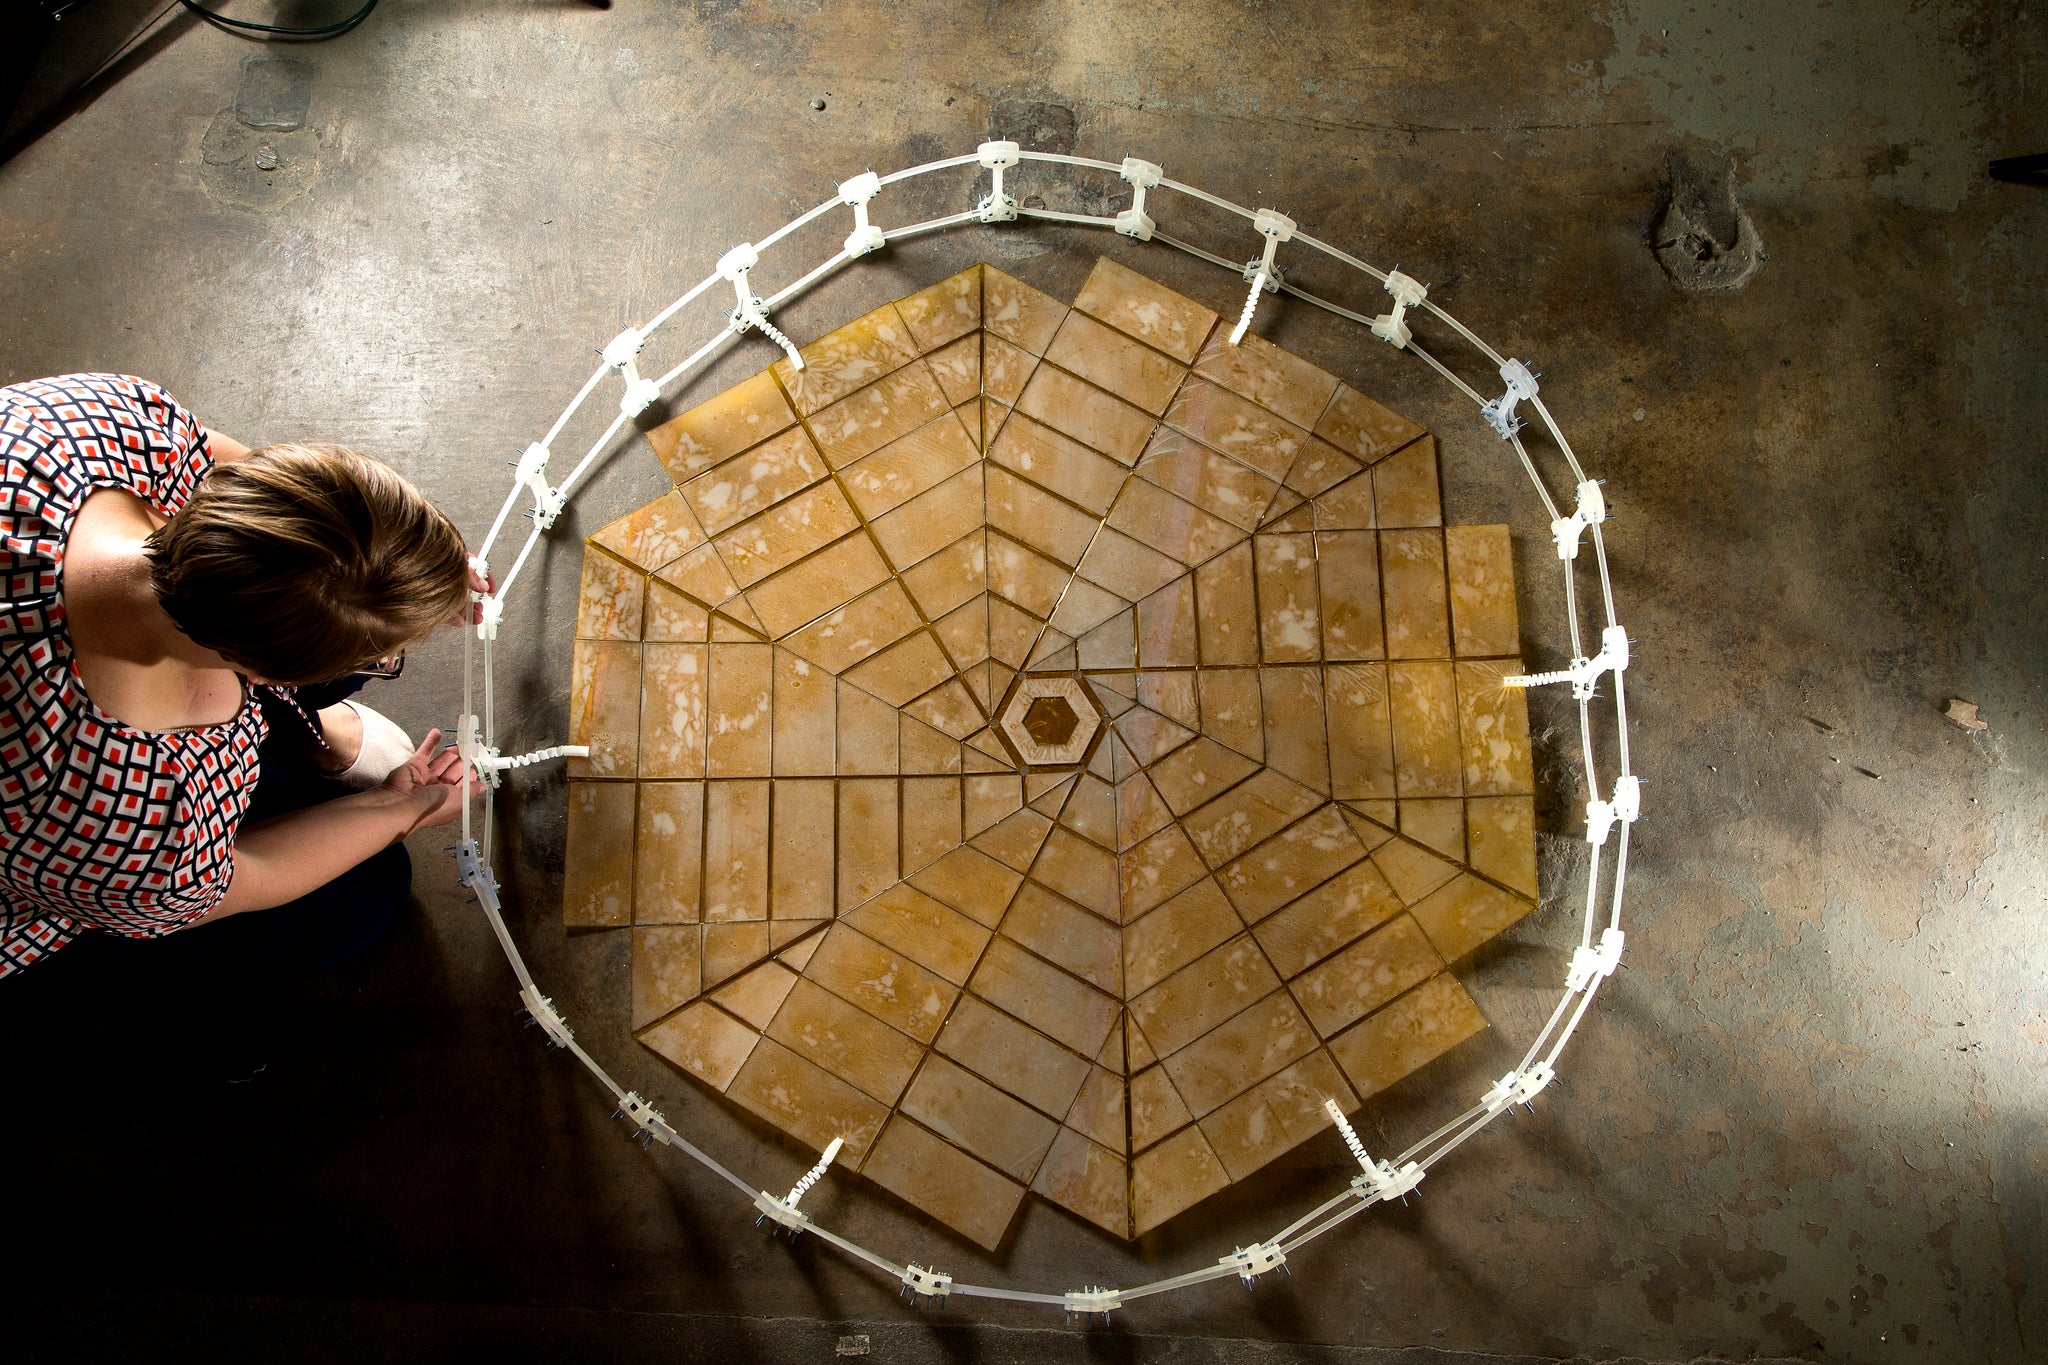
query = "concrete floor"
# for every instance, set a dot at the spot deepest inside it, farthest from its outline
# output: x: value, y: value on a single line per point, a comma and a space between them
x: 1807, y: 1122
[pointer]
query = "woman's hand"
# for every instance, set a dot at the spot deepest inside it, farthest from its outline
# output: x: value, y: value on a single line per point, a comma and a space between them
x: 282, y: 858
x: 437, y: 782
x: 474, y: 613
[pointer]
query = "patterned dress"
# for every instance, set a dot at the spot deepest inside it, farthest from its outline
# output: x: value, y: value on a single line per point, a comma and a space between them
x: 102, y: 826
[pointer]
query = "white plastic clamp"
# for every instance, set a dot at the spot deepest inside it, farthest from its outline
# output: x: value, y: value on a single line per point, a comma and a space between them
x: 647, y: 1121
x: 1596, y: 963
x: 996, y: 206
x: 1380, y: 1179
x: 622, y: 353
x: 784, y: 1212
x: 478, y: 757
x: 1602, y: 816
x: 780, y: 1213
x: 748, y: 310
x: 1262, y: 274
x: 1628, y: 798
x: 855, y: 194
x: 493, y: 613
x: 1592, y: 508
x: 531, y: 471
x: 1518, y: 1087
x: 1383, y: 1180
x: 1094, y: 1299
x: 1255, y: 1260
x: 1142, y: 176
x: 1408, y: 292
x: 1584, y: 674
x: 621, y: 349
x: 1500, y: 413
x: 542, y: 1011
x: 471, y: 872
x: 921, y: 1283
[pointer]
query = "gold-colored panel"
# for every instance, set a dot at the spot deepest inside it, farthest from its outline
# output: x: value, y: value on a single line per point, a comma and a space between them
x: 1120, y: 958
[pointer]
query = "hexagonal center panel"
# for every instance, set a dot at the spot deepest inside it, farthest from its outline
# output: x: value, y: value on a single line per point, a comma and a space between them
x: 1051, y: 721
x: 1270, y: 784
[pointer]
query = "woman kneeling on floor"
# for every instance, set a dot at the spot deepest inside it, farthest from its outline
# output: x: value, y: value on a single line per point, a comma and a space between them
x: 181, y: 623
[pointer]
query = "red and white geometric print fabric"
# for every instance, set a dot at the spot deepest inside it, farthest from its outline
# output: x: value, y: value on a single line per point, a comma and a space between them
x: 102, y: 827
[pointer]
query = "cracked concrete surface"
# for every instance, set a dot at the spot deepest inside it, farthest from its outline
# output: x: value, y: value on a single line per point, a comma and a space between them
x: 1806, y: 1122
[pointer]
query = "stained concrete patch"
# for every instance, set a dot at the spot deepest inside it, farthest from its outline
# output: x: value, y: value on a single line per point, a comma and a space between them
x: 1052, y: 124
x: 251, y: 168
x: 1035, y: 125
x: 275, y: 93
x: 1702, y: 236
x: 258, y: 153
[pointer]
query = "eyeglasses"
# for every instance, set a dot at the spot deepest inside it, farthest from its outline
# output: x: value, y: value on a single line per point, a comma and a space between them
x: 385, y: 668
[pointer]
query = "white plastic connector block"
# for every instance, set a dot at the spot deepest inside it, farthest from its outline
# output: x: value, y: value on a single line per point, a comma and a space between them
x: 543, y: 1012
x: 471, y: 872
x: 1628, y: 798
x: 748, y: 310
x: 531, y: 470
x: 922, y: 1283
x: 1596, y: 963
x: 779, y: 1213
x: 1383, y: 1180
x: 1613, y: 657
x: 738, y: 261
x: 996, y: 206
x: 1518, y: 1087
x: 1565, y: 531
x: 1500, y: 413
x: 1277, y: 227
x: 648, y: 1124
x: 1602, y: 816
x: 1142, y: 176
x: 640, y: 395
x: 1093, y: 1299
x: 1262, y: 274
x: 1599, y: 822
x: 1255, y: 1260
x: 1392, y: 327
x: 621, y: 349
x: 622, y: 354
x: 783, y: 1212
x: 1380, y: 1179
x: 855, y: 194
x: 476, y: 756
x: 493, y: 613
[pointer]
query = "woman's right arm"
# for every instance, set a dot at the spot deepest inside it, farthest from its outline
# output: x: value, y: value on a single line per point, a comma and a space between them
x: 281, y: 859
x: 225, y: 449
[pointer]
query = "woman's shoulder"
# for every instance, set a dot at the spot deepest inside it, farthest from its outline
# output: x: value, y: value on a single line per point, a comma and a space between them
x: 89, y: 390
x: 63, y: 436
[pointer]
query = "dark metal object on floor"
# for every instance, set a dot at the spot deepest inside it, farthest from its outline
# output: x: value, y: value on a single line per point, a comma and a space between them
x: 2021, y: 170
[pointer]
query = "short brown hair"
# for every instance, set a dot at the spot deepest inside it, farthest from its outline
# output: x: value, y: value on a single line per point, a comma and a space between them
x: 303, y: 563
